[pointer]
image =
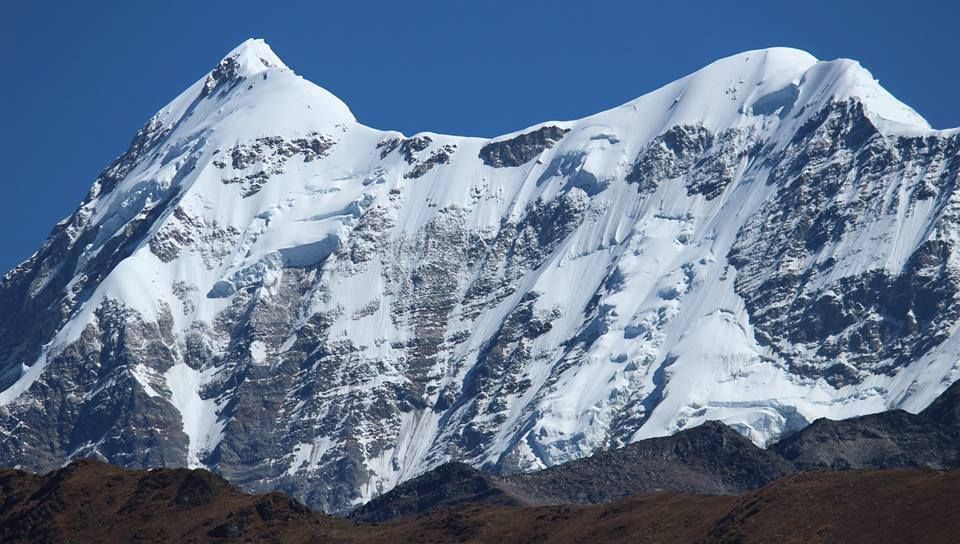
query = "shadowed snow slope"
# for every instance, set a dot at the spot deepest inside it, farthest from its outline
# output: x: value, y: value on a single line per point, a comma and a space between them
x: 262, y: 286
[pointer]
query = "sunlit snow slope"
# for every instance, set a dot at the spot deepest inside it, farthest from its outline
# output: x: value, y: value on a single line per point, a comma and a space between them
x: 265, y: 287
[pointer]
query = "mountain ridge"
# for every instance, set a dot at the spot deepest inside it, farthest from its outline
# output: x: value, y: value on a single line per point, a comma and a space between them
x: 262, y: 286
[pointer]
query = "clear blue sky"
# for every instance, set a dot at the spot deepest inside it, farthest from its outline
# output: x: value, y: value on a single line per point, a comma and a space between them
x: 79, y: 78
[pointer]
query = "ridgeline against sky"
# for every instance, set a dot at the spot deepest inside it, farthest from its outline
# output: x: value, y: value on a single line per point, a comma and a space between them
x: 79, y: 79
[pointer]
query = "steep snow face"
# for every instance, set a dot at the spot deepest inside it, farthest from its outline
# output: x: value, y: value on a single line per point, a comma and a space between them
x: 263, y: 286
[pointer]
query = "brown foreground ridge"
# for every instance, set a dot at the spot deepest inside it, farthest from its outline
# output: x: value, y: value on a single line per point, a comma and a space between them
x: 89, y: 501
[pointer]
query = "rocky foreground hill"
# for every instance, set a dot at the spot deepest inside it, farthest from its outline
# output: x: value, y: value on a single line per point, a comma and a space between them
x: 89, y: 502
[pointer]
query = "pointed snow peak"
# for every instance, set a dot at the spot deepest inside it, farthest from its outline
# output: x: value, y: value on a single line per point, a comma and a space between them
x: 842, y: 79
x: 839, y: 79
x: 247, y: 59
x: 254, y: 56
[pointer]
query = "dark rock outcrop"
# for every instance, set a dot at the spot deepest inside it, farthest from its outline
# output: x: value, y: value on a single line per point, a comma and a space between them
x: 834, y: 179
x: 893, y: 439
x: 521, y: 149
x: 448, y: 485
x: 709, y: 459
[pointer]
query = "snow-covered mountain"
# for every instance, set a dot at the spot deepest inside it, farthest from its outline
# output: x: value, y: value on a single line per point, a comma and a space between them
x: 263, y: 286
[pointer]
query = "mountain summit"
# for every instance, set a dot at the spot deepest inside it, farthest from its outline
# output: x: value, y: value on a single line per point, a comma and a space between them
x: 262, y: 286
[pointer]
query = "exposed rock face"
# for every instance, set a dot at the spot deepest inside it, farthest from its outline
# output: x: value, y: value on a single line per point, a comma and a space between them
x: 670, y: 155
x: 708, y: 163
x: 437, y: 157
x: 269, y: 156
x: 411, y: 149
x: 823, y: 312
x: 521, y: 149
x: 225, y: 74
x: 265, y: 287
